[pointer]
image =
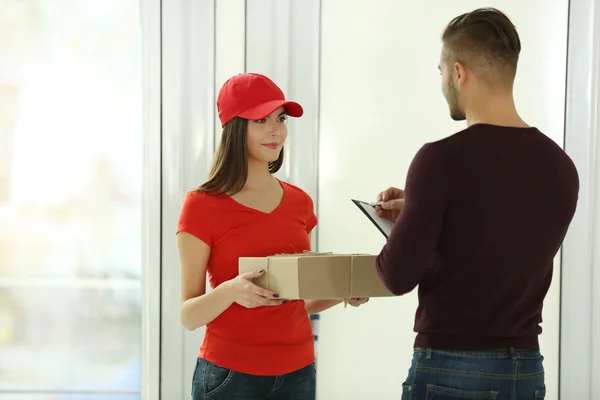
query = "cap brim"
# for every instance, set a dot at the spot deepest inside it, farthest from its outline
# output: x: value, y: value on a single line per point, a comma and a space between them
x: 263, y: 110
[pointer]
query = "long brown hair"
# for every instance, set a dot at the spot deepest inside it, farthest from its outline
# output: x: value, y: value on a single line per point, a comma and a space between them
x: 229, y: 170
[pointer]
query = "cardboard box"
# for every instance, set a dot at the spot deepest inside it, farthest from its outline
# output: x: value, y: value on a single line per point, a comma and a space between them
x: 317, y: 275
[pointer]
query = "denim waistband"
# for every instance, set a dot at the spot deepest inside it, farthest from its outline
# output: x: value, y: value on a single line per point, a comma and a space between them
x: 509, y: 353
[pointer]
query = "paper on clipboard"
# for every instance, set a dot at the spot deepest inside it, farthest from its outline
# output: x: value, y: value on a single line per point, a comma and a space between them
x: 384, y: 225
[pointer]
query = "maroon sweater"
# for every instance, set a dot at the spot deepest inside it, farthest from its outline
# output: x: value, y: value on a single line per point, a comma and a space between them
x: 486, y: 211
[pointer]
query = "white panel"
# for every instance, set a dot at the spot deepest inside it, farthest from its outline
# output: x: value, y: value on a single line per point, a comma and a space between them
x: 230, y: 50
x: 380, y: 102
x: 187, y: 148
x: 268, y: 39
x: 580, y: 317
x: 282, y: 42
x: 150, y: 17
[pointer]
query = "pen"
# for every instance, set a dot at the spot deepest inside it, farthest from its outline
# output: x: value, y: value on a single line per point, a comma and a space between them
x: 377, y: 203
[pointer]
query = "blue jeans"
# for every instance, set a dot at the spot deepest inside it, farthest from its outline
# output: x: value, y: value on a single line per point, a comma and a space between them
x: 212, y: 382
x: 483, y: 375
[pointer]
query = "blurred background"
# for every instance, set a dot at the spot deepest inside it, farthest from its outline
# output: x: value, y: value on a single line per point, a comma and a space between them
x: 71, y: 146
x: 107, y: 117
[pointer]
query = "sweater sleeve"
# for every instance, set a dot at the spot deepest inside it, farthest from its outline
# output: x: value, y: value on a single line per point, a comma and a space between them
x: 410, y: 247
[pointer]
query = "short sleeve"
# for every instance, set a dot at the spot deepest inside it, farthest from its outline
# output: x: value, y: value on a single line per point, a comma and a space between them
x: 195, y: 217
x: 311, y: 218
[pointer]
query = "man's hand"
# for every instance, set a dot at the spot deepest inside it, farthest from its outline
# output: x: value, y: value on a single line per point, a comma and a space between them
x: 393, y: 203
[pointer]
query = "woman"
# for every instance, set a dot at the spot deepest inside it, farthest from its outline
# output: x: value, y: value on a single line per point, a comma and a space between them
x: 256, y: 346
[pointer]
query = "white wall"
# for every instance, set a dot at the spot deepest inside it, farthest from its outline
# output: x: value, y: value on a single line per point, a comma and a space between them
x: 380, y: 101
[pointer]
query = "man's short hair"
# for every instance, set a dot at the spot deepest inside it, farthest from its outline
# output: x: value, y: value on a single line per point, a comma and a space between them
x: 487, y: 42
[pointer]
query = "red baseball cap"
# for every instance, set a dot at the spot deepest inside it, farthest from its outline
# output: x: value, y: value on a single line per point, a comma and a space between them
x: 252, y: 96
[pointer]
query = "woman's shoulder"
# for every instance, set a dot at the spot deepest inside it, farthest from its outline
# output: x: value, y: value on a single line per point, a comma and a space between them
x: 291, y: 188
x: 201, y: 199
x: 295, y: 190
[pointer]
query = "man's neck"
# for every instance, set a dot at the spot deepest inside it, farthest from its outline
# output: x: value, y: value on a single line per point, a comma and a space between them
x: 495, y: 109
x: 512, y: 121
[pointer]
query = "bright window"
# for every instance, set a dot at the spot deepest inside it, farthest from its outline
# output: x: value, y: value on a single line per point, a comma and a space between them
x: 70, y: 199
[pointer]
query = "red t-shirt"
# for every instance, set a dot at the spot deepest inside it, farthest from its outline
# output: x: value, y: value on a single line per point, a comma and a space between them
x: 271, y: 340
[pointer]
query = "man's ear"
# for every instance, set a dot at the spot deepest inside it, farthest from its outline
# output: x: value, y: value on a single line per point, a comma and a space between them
x: 459, y: 74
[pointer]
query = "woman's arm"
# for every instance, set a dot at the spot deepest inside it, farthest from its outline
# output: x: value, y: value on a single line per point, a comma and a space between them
x: 198, y: 307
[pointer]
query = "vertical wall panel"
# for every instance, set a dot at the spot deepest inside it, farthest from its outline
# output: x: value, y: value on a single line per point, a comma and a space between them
x: 283, y: 42
x: 230, y: 47
x: 151, y: 233
x: 203, y: 45
x: 187, y: 148
x: 580, y: 300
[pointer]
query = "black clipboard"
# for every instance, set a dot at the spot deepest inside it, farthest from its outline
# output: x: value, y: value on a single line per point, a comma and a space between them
x: 383, y: 225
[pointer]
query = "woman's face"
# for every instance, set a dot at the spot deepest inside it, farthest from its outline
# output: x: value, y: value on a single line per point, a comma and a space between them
x: 266, y: 136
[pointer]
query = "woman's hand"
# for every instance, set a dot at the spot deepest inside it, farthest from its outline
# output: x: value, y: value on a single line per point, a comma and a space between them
x: 247, y: 294
x: 356, y: 302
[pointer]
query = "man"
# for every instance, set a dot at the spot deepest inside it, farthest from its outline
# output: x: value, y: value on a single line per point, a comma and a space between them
x: 484, y: 213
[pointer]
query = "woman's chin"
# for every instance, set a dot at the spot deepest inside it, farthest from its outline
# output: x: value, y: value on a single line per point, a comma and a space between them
x: 270, y: 155
x: 266, y: 158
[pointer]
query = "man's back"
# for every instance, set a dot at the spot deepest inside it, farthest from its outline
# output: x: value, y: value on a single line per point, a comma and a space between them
x: 512, y: 193
x: 483, y: 215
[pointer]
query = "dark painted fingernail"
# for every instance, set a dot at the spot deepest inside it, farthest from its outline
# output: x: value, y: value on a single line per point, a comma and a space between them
x: 275, y: 295
x: 260, y: 271
x: 285, y: 301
